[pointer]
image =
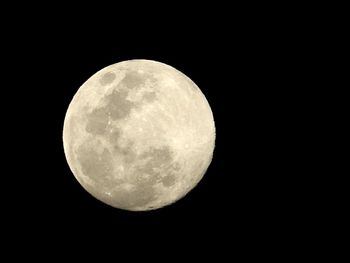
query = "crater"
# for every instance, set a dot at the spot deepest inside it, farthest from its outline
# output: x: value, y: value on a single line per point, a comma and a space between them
x: 113, y: 137
x: 117, y: 105
x: 129, y: 155
x: 149, y: 96
x: 97, y: 121
x: 158, y: 156
x: 96, y: 166
x: 168, y: 180
x: 145, y: 180
x: 155, y: 159
x: 107, y: 78
x: 154, y: 162
x: 126, y: 153
x: 138, y: 197
x: 72, y: 125
x: 69, y: 136
x: 133, y: 79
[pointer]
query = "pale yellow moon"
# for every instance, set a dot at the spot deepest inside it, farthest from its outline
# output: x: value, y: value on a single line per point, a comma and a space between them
x: 139, y: 135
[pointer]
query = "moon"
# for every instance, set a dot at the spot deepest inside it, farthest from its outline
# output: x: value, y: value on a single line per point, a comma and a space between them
x: 139, y: 135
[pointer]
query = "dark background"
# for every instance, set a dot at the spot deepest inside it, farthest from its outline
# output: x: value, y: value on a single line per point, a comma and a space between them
x: 244, y: 63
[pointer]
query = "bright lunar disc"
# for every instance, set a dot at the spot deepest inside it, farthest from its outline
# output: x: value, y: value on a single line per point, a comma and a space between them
x: 139, y: 135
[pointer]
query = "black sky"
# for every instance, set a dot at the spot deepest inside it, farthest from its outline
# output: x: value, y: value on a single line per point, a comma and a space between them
x: 239, y: 64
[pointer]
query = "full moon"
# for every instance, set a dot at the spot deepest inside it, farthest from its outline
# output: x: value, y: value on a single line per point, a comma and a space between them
x: 139, y: 135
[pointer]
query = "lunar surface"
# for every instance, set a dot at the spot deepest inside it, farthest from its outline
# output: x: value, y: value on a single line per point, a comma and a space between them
x: 139, y: 135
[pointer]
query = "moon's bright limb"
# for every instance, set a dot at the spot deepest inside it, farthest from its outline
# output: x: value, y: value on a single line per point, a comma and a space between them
x: 139, y: 135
